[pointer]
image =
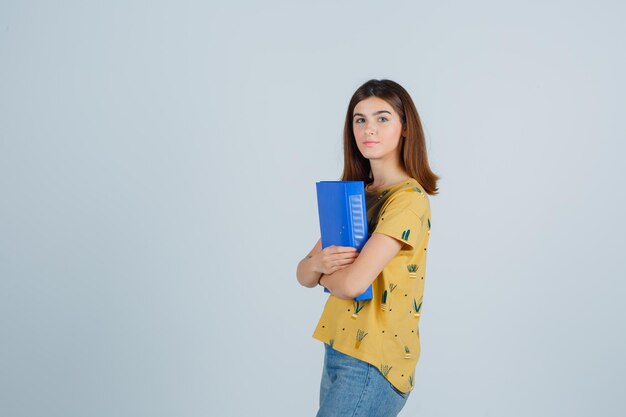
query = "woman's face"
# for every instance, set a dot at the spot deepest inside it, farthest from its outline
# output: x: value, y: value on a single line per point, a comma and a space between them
x: 377, y: 128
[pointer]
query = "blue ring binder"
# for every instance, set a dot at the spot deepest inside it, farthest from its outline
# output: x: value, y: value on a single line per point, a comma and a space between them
x: 343, y: 217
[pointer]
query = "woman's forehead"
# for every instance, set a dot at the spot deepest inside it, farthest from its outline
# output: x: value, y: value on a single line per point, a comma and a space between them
x: 373, y: 104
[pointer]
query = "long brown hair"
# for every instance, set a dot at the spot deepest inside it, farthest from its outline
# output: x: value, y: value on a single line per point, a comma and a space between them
x: 413, y: 146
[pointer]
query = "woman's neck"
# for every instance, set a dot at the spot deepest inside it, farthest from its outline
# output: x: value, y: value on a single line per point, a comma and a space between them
x: 384, y: 176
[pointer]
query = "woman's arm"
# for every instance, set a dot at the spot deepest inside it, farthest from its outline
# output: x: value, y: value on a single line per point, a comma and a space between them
x: 353, y: 280
x: 407, y: 211
x: 307, y: 271
x: 324, y: 261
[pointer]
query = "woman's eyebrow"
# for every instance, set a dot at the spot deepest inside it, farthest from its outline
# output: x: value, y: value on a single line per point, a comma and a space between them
x: 373, y: 114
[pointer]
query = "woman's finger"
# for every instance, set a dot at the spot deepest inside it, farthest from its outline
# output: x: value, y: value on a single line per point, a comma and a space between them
x: 344, y: 249
x: 344, y: 261
x: 343, y: 256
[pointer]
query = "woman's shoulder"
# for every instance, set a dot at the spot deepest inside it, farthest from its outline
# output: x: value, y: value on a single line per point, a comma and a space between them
x: 410, y: 186
x: 410, y: 194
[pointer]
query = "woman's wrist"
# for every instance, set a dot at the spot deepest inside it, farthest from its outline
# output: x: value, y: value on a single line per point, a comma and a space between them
x: 319, y: 281
x: 308, y: 274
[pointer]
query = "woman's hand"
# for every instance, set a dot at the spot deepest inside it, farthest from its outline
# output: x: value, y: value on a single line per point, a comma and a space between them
x: 333, y: 258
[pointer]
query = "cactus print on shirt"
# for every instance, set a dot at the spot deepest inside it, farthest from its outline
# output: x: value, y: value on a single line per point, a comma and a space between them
x: 384, y: 331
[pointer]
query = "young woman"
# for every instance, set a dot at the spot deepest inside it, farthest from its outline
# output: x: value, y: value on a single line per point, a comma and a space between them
x: 372, y: 347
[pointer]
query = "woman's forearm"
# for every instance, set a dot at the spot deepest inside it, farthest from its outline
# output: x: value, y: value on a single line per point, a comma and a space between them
x: 307, y: 273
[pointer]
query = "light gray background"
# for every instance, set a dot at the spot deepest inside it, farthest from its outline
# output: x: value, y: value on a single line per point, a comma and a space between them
x: 157, y: 171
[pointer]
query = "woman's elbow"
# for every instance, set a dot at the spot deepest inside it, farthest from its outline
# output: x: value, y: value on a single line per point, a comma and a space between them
x: 339, y: 289
x: 304, y: 282
x: 307, y: 284
x: 342, y: 295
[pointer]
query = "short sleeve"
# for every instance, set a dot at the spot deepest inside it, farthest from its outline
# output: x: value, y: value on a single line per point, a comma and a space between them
x: 405, y: 217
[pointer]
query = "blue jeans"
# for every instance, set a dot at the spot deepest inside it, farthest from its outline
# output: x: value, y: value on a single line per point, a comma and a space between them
x: 351, y: 387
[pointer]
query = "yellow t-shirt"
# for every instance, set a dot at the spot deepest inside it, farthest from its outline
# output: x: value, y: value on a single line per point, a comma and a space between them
x: 384, y: 331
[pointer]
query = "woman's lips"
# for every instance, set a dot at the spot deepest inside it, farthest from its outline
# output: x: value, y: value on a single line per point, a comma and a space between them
x: 370, y: 143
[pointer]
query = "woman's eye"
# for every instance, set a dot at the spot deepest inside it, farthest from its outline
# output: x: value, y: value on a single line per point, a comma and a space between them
x: 380, y: 119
